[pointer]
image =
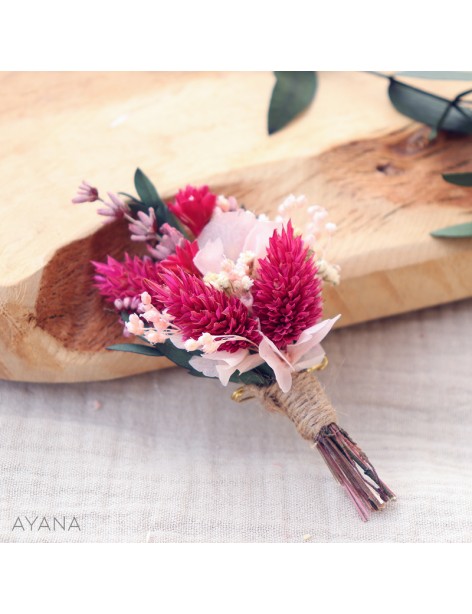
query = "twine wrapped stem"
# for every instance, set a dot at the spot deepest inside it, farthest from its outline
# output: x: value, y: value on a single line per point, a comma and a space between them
x: 308, y: 407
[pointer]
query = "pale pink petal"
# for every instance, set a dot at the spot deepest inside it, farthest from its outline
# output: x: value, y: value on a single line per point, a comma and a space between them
x: 207, y: 367
x: 225, y: 372
x: 224, y: 364
x: 231, y: 227
x: 312, y: 358
x: 210, y: 256
x: 178, y: 341
x: 257, y: 240
x: 244, y: 363
x: 310, y: 338
x: 228, y: 357
x: 279, y: 364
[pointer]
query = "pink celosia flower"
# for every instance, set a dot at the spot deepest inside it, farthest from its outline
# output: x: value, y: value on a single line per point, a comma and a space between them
x: 198, y: 308
x: 182, y: 258
x: 170, y: 239
x: 117, y: 281
x: 85, y: 194
x: 194, y: 207
x: 115, y: 210
x: 287, y: 290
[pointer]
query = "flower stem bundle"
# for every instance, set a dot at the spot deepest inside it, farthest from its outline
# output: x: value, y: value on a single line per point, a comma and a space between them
x: 308, y: 407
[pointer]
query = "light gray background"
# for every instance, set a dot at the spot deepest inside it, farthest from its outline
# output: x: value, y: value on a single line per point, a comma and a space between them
x: 170, y: 458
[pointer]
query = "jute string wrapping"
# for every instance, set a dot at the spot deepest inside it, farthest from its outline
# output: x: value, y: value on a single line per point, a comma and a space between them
x: 308, y: 407
x: 306, y: 404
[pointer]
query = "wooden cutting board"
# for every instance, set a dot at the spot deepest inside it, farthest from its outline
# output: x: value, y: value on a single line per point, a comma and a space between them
x: 351, y: 152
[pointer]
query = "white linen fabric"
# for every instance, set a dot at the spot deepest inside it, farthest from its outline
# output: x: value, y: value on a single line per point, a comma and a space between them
x: 170, y: 458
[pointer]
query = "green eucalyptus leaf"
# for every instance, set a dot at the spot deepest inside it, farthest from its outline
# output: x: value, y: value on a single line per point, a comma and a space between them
x: 146, y: 190
x: 180, y: 357
x: 462, y: 179
x: 459, y: 231
x: 136, y: 348
x: 430, y: 109
x: 168, y: 350
x: 446, y: 75
x: 293, y: 92
x: 250, y: 377
x: 260, y: 376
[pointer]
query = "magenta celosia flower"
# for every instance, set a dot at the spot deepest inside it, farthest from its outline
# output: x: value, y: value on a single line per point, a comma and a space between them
x: 182, y: 258
x: 198, y: 308
x: 194, y: 207
x: 85, y: 194
x: 287, y: 290
x: 119, y: 281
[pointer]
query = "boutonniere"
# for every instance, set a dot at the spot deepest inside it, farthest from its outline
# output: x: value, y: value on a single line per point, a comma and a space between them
x: 228, y: 294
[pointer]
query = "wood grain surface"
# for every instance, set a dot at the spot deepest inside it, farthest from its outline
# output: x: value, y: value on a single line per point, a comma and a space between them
x: 374, y: 170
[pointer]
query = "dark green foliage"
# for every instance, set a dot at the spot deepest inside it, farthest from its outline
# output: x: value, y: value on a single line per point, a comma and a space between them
x: 293, y: 92
x: 459, y: 231
x: 462, y: 179
x: 435, y: 111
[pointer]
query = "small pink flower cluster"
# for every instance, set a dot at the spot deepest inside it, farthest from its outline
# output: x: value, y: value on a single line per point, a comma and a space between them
x: 161, y: 323
x: 237, y: 290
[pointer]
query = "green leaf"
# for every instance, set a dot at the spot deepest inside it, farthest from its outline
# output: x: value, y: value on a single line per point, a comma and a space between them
x: 179, y: 357
x: 460, y: 231
x: 136, y: 348
x: 462, y: 179
x: 293, y: 92
x: 430, y: 109
x: 260, y: 376
x: 447, y: 75
x: 146, y: 190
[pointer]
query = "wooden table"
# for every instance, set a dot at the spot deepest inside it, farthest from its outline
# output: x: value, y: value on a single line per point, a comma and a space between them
x: 351, y: 151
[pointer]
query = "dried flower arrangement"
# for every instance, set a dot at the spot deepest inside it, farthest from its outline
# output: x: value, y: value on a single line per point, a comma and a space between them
x: 231, y: 295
